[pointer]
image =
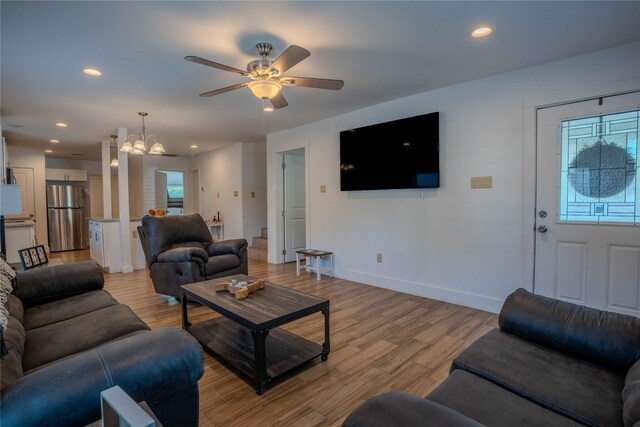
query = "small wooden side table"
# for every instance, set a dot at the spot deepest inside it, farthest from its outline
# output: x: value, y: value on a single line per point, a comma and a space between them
x: 314, y: 266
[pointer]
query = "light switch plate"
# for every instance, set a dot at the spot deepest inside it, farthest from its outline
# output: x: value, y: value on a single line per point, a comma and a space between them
x: 218, y: 195
x: 235, y: 194
x: 323, y: 188
x: 481, y: 182
x: 253, y: 194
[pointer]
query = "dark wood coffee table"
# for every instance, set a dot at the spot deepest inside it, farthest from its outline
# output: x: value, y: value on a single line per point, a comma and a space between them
x: 239, y: 336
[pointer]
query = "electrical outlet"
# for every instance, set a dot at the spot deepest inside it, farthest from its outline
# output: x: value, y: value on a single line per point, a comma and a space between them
x: 323, y: 188
x: 218, y: 195
x: 253, y: 194
x: 378, y: 258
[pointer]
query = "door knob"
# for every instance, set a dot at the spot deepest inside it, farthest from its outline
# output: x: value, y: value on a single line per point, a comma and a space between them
x: 542, y: 228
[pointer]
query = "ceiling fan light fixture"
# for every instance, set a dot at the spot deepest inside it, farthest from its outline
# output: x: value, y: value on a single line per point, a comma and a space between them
x: 265, y: 88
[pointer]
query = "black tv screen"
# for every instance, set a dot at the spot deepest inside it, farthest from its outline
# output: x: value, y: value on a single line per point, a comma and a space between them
x: 393, y: 155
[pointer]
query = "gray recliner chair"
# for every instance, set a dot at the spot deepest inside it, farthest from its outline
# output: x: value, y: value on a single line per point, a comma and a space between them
x: 180, y: 250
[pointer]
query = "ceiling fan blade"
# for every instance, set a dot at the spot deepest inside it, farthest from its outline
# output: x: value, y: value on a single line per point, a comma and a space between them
x: 223, y: 90
x: 290, y: 57
x: 312, y: 82
x: 208, y: 63
x: 278, y: 101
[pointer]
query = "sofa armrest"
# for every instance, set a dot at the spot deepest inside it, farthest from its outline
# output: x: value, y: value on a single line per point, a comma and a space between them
x: 608, y: 339
x: 148, y: 366
x: 401, y: 409
x: 42, y: 285
x: 193, y: 254
x: 223, y: 247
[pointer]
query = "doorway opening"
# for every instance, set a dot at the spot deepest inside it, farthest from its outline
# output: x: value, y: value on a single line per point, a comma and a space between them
x: 170, y: 192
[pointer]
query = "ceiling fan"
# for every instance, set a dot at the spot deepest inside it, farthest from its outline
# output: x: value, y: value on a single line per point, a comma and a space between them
x: 266, y: 76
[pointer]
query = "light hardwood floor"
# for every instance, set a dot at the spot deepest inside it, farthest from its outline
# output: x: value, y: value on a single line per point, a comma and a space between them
x: 381, y: 340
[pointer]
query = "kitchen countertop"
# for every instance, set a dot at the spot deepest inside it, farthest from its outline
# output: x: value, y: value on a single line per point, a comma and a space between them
x: 16, y: 224
x: 113, y: 219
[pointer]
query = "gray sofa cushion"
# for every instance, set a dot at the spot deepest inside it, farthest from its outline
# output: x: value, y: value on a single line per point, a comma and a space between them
x: 492, y: 405
x: 577, y: 389
x: 61, y: 339
x: 608, y: 339
x: 68, y: 308
x: 404, y: 410
x: 220, y: 263
x: 15, y: 308
x: 631, y: 397
x: 11, y: 364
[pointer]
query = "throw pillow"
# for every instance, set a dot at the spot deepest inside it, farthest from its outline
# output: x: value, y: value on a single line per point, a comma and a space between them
x: 7, y: 274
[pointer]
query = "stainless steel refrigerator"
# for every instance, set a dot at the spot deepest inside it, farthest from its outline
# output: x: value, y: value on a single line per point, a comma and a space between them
x: 66, y: 213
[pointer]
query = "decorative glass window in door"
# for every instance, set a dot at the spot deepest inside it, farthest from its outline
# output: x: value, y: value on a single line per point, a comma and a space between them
x: 600, y: 171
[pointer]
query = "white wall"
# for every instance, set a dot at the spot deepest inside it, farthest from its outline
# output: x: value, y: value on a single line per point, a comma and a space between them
x: 465, y: 246
x: 254, y: 173
x: 221, y: 176
x: 136, y: 186
x: 24, y: 158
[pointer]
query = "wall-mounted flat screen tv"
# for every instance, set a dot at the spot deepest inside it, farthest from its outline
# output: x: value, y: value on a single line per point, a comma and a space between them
x: 393, y: 155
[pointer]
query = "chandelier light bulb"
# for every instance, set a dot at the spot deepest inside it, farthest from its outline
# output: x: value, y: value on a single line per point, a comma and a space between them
x: 126, y: 147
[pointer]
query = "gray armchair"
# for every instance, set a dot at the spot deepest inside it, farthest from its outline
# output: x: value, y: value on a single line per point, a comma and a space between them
x: 180, y: 250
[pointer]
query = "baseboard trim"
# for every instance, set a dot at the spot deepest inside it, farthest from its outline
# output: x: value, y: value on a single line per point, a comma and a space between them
x: 467, y: 299
x: 127, y: 269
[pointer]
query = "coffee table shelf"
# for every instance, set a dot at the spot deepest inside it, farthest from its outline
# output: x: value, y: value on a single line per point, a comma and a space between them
x: 234, y: 344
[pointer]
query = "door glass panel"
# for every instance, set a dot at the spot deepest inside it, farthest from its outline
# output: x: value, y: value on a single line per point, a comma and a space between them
x: 599, y: 175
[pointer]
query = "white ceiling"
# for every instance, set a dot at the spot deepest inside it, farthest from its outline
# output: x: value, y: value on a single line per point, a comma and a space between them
x: 382, y: 50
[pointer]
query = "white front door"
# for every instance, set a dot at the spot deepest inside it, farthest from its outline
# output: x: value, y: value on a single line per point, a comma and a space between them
x: 588, y: 203
x: 24, y: 178
x: 294, y: 204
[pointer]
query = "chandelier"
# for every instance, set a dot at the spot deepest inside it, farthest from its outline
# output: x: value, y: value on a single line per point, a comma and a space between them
x: 139, y: 146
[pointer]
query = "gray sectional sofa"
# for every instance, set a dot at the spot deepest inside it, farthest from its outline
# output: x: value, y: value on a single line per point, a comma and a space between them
x: 68, y: 340
x: 552, y: 363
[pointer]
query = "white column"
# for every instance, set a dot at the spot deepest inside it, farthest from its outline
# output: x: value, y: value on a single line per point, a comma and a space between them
x: 106, y: 179
x: 123, y: 200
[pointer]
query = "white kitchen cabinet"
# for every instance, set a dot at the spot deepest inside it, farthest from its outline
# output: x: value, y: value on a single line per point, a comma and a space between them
x: 19, y: 235
x: 104, y: 246
x: 52, y: 174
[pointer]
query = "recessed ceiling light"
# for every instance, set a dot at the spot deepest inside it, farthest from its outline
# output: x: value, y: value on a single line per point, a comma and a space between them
x: 55, y: 141
x: 62, y: 125
x: 483, y: 31
x: 92, y: 72
x: 193, y: 146
x: 48, y: 151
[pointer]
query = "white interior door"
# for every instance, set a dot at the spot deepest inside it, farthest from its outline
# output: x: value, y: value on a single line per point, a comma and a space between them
x: 24, y: 178
x: 588, y: 203
x: 294, y: 204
